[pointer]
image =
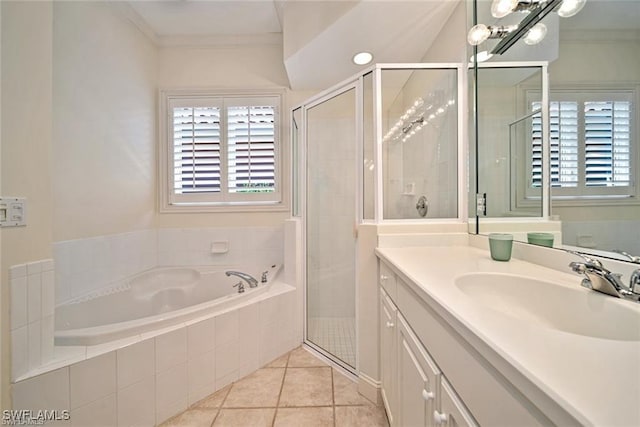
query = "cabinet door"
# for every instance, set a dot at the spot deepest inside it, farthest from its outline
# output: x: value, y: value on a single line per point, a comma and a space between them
x: 388, y: 354
x: 452, y: 412
x: 418, y: 380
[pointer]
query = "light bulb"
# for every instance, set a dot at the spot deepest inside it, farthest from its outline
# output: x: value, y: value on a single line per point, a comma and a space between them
x: 535, y: 34
x: 478, y: 34
x: 501, y: 8
x: 568, y: 8
x: 482, y: 56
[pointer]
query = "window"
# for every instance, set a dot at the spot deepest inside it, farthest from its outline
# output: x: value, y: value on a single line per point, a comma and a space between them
x: 221, y: 151
x: 592, y: 140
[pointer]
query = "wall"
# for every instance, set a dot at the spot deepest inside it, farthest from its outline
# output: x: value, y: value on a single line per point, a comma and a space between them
x: 240, y: 67
x: 26, y: 142
x: 104, y: 115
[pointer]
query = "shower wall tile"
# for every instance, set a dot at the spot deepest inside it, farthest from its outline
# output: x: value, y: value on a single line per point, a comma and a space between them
x: 171, y: 392
x: 135, y: 363
x: 171, y: 349
x: 137, y: 404
x: 101, y: 412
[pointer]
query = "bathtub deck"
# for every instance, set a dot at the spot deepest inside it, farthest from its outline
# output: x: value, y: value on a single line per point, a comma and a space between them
x: 294, y: 390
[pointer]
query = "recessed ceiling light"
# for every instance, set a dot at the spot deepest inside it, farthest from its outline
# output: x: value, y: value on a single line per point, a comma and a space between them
x: 362, y: 58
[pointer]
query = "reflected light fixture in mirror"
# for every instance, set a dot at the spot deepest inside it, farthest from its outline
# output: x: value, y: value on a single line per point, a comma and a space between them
x: 568, y: 8
x: 362, y: 58
x: 535, y: 34
x: 482, y: 56
x: 479, y: 33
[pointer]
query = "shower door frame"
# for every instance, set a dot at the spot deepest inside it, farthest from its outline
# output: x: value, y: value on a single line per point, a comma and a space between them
x: 354, y: 83
x: 357, y: 82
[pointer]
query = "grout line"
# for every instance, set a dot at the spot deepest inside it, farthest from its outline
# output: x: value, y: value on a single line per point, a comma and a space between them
x: 284, y: 375
x: 221, y: 404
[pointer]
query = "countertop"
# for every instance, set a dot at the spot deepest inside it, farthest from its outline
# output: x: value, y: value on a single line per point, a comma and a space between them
x: 595, y: 380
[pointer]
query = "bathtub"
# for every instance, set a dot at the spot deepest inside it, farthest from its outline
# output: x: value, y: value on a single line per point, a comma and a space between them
x: 157, y: 298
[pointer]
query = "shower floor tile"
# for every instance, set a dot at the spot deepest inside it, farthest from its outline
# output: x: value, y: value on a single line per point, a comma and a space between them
x: 337, y: 335
x: 310, y: 393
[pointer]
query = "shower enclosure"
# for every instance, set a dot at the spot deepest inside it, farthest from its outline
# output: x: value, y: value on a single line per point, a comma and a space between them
x: 383, y: 146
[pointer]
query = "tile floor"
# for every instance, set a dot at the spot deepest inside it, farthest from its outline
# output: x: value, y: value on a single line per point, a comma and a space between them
x: 337, y: 335
x: 295, y: 390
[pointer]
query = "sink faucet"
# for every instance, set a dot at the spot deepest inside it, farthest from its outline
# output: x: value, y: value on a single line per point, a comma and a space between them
x: 253, y: 283
x: 600, y: 279
x: 633, y: 258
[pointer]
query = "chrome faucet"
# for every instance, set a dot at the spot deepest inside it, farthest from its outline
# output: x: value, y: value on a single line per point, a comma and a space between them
x: 600, y: 279
x: 633, y: 258
x: 253, y: 283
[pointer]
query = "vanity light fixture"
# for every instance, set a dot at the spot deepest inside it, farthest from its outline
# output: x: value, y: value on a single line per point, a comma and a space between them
x: 535, y: 34
x: 530, y: 28
x: 479, y: 33
x: 482, y: 56
x: 568, y: 8
x: 362, y: 58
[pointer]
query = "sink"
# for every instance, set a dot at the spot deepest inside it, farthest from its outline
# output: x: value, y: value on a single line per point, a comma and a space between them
x: 577, y: 311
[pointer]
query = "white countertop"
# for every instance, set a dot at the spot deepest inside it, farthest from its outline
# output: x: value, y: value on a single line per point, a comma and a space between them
x: 595, y: 380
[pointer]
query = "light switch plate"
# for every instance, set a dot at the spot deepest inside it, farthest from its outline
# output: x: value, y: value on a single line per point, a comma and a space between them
x: 13, y: 211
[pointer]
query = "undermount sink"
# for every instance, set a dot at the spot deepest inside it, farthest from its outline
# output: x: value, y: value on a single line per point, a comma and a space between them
x: 576, y: 311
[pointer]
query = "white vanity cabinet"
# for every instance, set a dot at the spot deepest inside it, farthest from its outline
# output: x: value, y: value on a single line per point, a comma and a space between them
x: 413, y: 389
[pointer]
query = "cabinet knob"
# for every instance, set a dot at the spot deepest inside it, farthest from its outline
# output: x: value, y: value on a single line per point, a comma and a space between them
x: 427, y: 395
x: 439, y: 418
x: 390, y: 325
x: 383, y: 278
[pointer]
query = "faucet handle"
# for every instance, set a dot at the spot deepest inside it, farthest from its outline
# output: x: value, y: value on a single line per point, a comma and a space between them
x: 592, y: 262
x: 263, y: 279
x: 634, y: 281
x: 240, y: 286
x: 633, y: 258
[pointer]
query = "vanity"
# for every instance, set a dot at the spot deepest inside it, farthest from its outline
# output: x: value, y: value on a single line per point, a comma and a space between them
x: 465, y: 340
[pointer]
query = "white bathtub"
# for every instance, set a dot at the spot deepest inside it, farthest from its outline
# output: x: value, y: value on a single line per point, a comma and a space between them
x: 154, y: 299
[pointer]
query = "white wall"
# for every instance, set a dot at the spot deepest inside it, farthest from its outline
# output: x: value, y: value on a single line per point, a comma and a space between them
x: 104, y: 115
x: 26, y: 143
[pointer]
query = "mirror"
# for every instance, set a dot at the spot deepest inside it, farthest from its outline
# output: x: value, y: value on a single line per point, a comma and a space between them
x: 594, y: 78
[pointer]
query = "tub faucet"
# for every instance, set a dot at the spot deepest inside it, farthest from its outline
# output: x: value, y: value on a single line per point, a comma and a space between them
x: 598, y: 278
x: 253, y: 283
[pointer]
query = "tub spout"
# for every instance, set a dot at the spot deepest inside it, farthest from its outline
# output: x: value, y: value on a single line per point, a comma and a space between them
x: 253, y: 283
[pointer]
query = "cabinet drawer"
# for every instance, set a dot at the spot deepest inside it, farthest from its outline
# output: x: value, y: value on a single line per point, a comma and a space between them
x: 387, y: 280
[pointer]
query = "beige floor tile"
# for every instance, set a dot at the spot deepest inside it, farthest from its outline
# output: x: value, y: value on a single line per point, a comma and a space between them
x: 307, y: 387
x: 301, y: 358
x: 260, y: 389
x: 280, y: 362
x: 262, y: 417
x: 307, y: 417
x: 192, y: 418
x: 345, y: 391
x: 365, y: 416
x: 215, y: 400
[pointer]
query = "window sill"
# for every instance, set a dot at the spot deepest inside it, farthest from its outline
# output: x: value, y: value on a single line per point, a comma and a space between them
x: 224, y: 207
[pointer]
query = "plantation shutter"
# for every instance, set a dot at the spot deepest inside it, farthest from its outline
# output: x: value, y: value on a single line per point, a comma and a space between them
x: 564, y: 131
x: 223, y: 150
x: 251, y: 149
x: 591, y: 144
x: 607, y: 143
x: 196, y: 150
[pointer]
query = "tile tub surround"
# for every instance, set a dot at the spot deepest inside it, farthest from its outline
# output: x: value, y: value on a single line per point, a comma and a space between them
x: 85, y: 266
x: 32, y: 306
x: 296, y: 389
x: 161, y: 375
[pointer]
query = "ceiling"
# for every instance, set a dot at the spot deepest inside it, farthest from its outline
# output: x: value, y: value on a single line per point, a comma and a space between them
x: 318, y: 38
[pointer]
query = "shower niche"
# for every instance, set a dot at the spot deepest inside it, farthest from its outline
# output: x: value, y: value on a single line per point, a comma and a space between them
x: 382, y: 146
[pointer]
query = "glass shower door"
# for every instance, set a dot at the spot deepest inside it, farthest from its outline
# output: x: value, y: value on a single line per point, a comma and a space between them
x: 330, y: 226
